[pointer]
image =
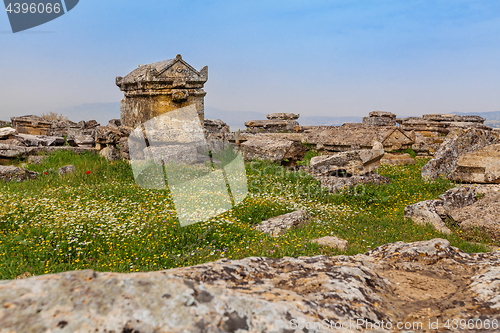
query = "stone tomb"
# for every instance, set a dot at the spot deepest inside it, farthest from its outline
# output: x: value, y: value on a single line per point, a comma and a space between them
x: 154, y: 89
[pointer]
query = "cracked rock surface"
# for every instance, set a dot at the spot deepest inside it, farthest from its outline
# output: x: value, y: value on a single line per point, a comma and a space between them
x: 397, y: 282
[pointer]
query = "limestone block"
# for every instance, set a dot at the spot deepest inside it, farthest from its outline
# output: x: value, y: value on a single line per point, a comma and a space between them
x: 33, y: 125
x: 282, y: 116
x: 479, y: 166
x: 278, y: 225
x: 384, y: 114
x: 273, y: 150
x: 84, y: 141
x: 12, y: 173
x: 36, y: 159
x: 459, y: 141
x: 355, y: 162
x: 40, y: 140
x: 5, y: 132
x: 342, y: 183
x: 66, y: 169
x: 332, y: 241
x: 379, y: 121
x: 483, y: 213
x: 109, y: 152
x: 424, y: 212
x: 397, y: 159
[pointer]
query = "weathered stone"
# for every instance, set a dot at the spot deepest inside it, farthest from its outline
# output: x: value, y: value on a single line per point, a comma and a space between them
x: 379, y: 121
x: 279, y: 225
x: 107, y: 135
x: 357, y: 136
x: 435, y: 211
x: 66, y: 169
x: 12, y: 173
x: 458, y: 142
x: 36, y: 159
x: 384, y: 114
x: 426, y: 146
x: 270, y: 126
x: 425, y: 212
x: 91, y: 124
x: 283, y: 116
x: 12, y: 151
x: 110, y: 153
x: 331, y: 241
x: 418, y: 282
x: 356, y: 162
x: 124, y: 149
x: 154, y: 89
x: 458, y: 197
x: 340, y: 183
x: 114, y: 124
x: 453, y: 118
x: 457, y: 124
x: 484, y: 213
x: 479, y: 166
x: 377, y: 146
x: 274, y: 150
x: 217, y: 134
x: 439, y: 117
x: 33, y: 125
x: 85, y: 141
x: 5, y: 132
x: 40, y: 140
x: 397, y: 159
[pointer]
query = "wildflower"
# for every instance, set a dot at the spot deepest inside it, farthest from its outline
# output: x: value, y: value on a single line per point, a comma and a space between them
x: 88, y: 172
x: 46, y: 173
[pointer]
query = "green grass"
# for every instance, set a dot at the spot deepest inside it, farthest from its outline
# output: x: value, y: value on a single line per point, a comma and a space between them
x: 99, y: 219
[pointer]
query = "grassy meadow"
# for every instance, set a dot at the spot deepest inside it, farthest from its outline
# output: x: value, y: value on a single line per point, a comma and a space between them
x: 98, y: 218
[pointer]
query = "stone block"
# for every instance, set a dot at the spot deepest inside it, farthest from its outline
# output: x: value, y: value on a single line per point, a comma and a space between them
x: 279, y: 225
x: 479, y: 166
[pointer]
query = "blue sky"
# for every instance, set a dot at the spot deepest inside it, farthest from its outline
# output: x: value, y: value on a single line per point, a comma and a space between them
x: 323, y: 58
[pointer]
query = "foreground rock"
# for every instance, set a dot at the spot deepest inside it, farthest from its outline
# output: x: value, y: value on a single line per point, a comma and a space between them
x: 479, y: 166
x: 11, y: 173
x: 459, y: 141
x: 279, y: 225
x: 409, y: 283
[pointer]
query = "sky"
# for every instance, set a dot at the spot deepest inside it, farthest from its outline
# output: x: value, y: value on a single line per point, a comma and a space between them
x: 313, y: 57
